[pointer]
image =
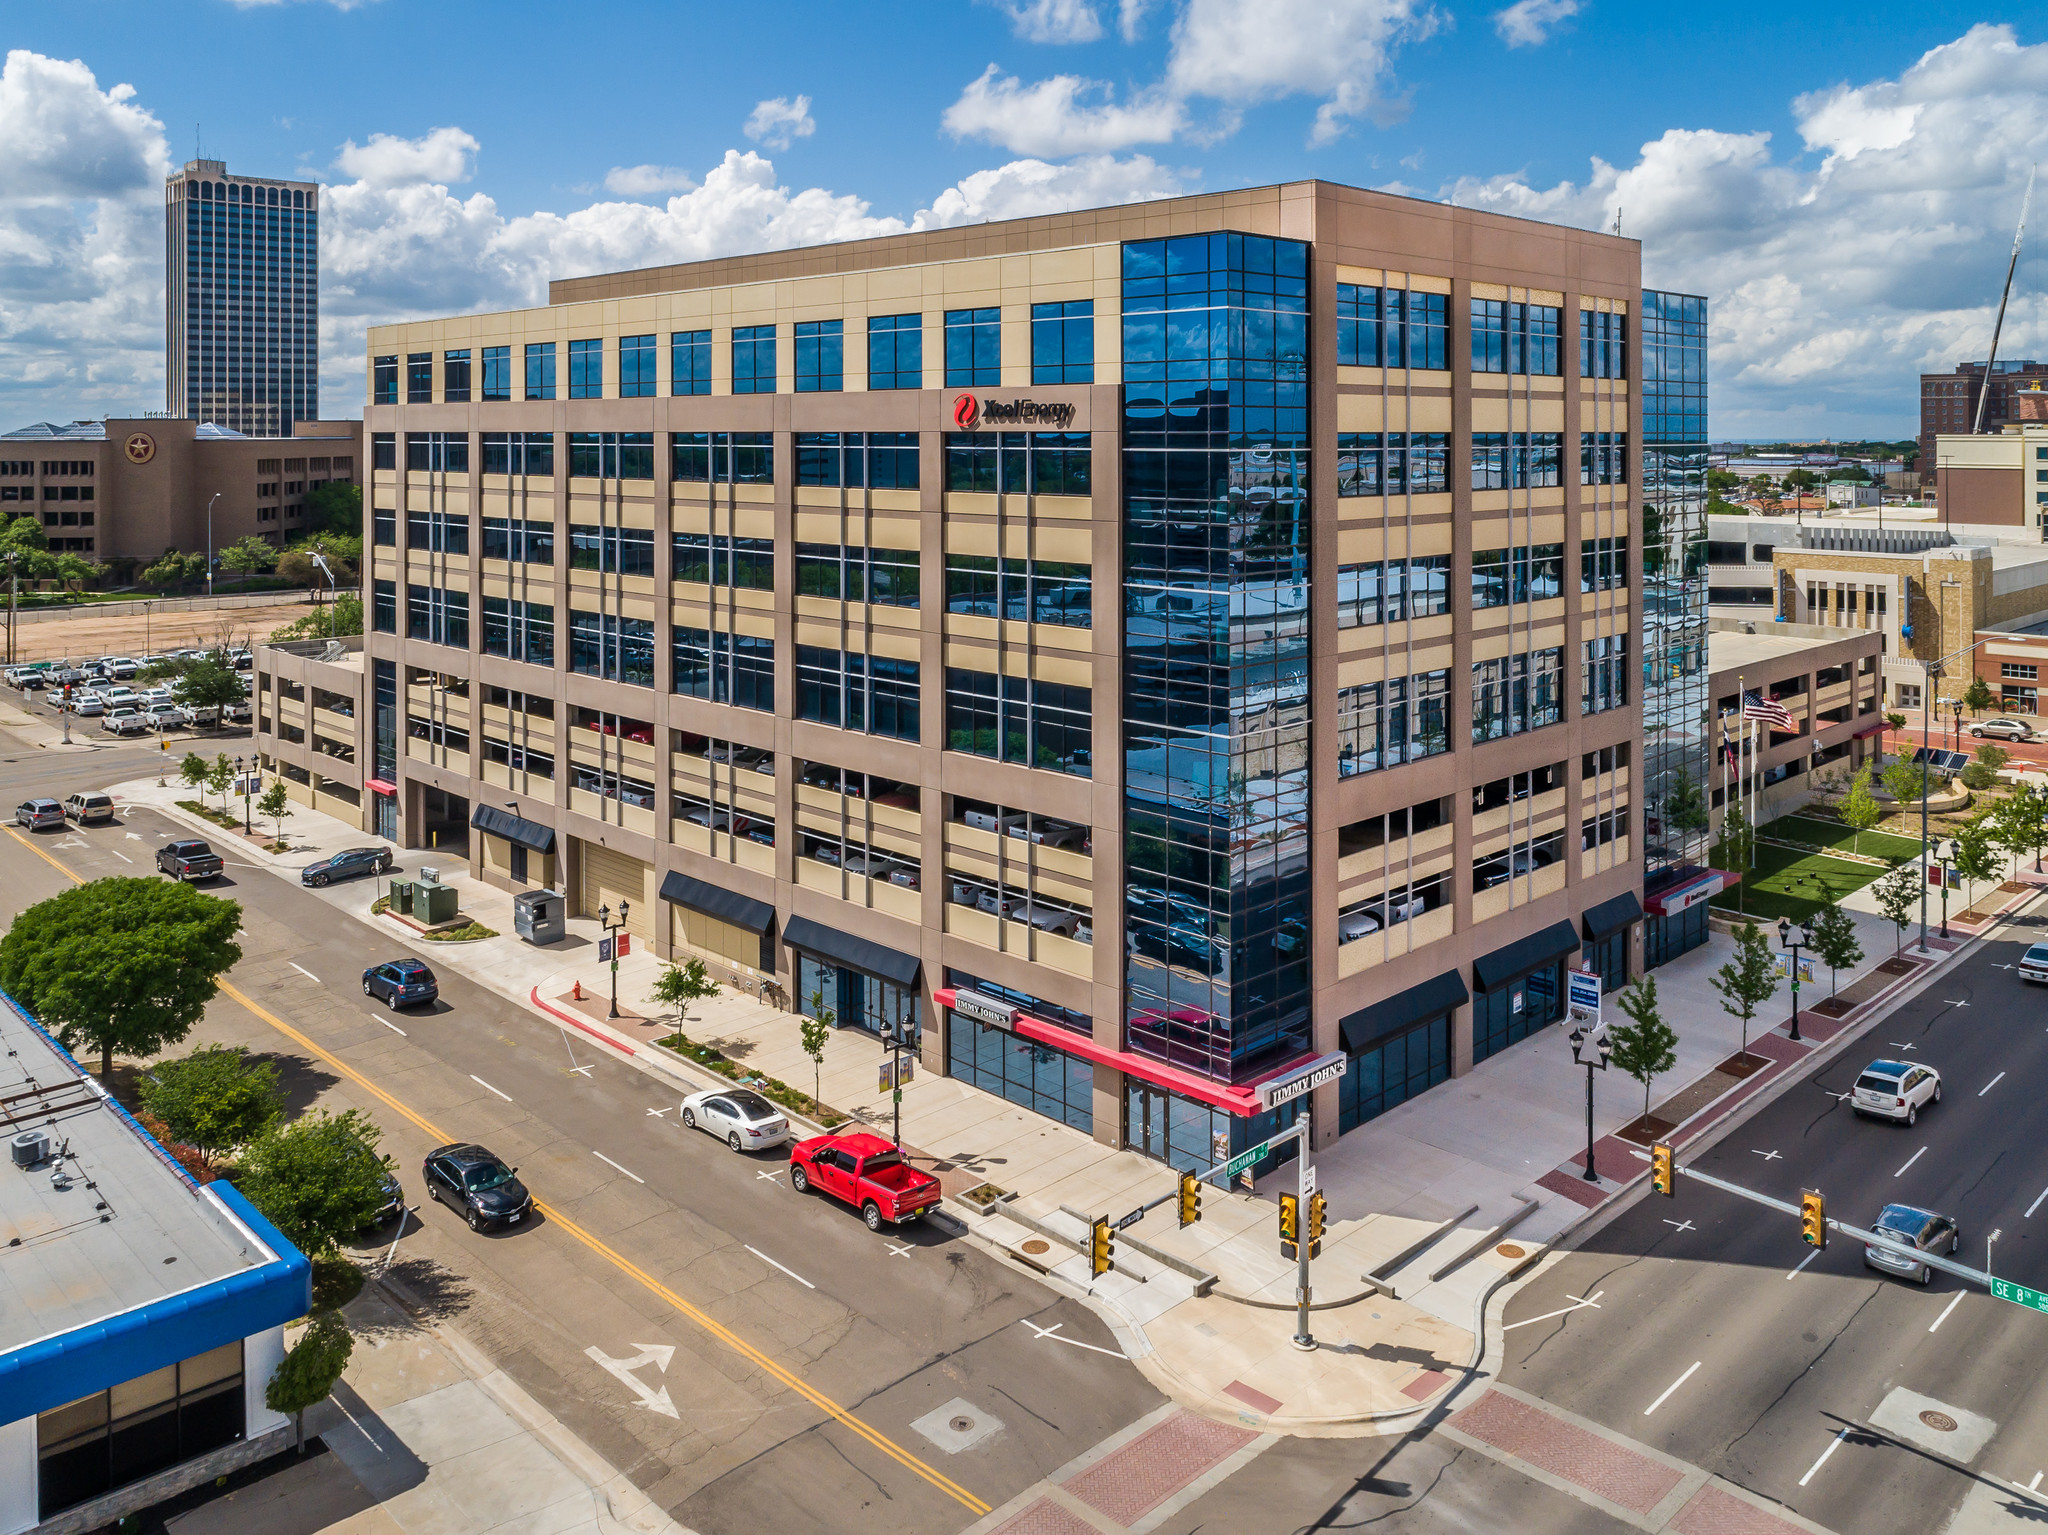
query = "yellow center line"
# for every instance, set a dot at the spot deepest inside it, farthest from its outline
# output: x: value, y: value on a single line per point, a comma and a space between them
x: 556, y: 1217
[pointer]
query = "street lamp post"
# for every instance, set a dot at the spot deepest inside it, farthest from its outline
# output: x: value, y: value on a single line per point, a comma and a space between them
x: 1944, y: 855
x: 1794, y: 937
x: 242, y: 782
x: 1956, y: 705
x: 611, y: 931
x: 1596, y: 1063
x: 209, y: 544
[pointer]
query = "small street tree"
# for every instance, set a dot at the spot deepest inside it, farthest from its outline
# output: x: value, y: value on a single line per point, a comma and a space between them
x: 221, y: 777
x: 1905, y: 780
x: 1748, y: 980
x: 1898, y: 894
x: 1974, y: 857
x: 193, y: 770
x: 1977, y: 697
x: 2016, y: 823
x: 1737, y: 847
x: 1859, y: 809
x: 120, y: 964
x: 679, y: 985
x: 213, y: 1100
x: 250, y: 556
x: 307, y: 1374
x: 319, y: 1179
x: 1646, y: 1046
x: 277, y: 804
x: 1897, y: 722
x: 812, y: 1032
x: 1833, y: 932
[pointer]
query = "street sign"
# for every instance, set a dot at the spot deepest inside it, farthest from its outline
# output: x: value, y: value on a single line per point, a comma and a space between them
x: 1584, y: 991
x: 1130, y: 1220
x: 1308, y: 1178
x: 2019, y: 1295
x: 1313, y: 1074
x: 1244, y: 1159
x: 604, y: 950
x: 1784, y: 962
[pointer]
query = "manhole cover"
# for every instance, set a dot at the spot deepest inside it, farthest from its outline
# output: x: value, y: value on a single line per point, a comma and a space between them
x: 1510, y: 1250
x: 1035, y: 1247
x: 960, y: 1424
x: 1938, y: 1420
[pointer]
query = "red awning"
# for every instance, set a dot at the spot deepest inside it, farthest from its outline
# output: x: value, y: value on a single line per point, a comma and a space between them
x: 1870, y: 730
x: 1683, y: 897
x: 380, y: 786
x: 1239, y: 1098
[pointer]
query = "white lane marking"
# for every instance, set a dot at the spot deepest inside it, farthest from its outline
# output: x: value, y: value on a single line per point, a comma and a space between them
x: 2034, y: 1485
x: 1916, y: 1156
x: 1593, y: 1300
x: 480, y: 1082
x: 626, y: 1170
x: 793, y: 1274
x: 576, y: 1071
x: 2035, y: 1205
x: 1991, y: 1084
x: 394, y: 1028
x: 1945, y: 1310
x: 1803, y: 1262
x: 309, y: 975
x: 120, y: 855
x: 656, y: 1113
x: 1681, y: 1226
x: 1052, y: 1334
x: 1671, y: 1388
x: 1897, y: 1046
x: 771, y: 1174
x: 1834, y: 1444
x: 1768, y: 1156
x: 897, y: 1252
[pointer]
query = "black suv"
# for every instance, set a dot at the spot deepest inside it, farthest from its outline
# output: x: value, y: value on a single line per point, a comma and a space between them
x: 400, y: 983
x: 346, y: 865
x: 477, y: 1184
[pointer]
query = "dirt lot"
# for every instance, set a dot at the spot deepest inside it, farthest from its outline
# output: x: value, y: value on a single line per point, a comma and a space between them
x: 125, y: 629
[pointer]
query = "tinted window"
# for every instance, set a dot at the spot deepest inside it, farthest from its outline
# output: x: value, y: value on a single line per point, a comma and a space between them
x: 1877, y: 1084
x: 880, y: 1160
x: 753, y: 1105
x: 488, y: 1175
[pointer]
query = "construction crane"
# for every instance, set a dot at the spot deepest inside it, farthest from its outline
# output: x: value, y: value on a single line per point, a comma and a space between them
x: 2012, y: 266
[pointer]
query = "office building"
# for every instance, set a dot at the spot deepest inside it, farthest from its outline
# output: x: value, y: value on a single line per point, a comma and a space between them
x: 128, y: 489
x: 1151, y: 649
x: 1948, y: 401
x: 141, y: 1314
x: 1826, y: 679
x: 242, y: 298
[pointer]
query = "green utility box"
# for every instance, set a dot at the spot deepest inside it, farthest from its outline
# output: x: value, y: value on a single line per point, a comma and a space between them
x: 401, y: 896
x: 432, y: 904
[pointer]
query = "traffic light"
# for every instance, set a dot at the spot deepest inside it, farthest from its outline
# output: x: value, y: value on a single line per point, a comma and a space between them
x: 1317, y: 1206
x: 1101, y: 1247
x: 1190, y: 1199
x: 1813, y: 1218
x: 1663, y: 1176
x: 1290, y: 1225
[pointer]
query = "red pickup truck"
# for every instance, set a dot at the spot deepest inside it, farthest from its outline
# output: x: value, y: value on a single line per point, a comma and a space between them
x: 867, y: 1172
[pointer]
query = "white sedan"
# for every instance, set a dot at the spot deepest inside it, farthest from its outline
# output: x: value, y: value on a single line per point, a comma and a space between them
x: 739, y: 1116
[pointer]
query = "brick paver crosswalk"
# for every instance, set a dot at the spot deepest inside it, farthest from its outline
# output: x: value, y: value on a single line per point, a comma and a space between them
x: 1608, y: 1470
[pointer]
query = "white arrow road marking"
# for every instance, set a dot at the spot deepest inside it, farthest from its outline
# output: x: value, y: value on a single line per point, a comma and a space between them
x: 72, y: 841
x: 1834, y: 1444
x: 793, y: 1274
x: 656, y: 1354
x: 135, y: 836
x: 309, y: 975
x: 1052, y: 1333
x: 1671, y: 1388
x: 1592, y: 1300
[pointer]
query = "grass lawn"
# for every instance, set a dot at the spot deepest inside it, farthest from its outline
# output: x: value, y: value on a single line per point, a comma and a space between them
x: 1788, y: 883
x: 1818, y: 833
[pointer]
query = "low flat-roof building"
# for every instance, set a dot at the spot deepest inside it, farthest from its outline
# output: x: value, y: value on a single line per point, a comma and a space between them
x: 309, y: 705
x: 1826, y: 679
x: 141, y: 1314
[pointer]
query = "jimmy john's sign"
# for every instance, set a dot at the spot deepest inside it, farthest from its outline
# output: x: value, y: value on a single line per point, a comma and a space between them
x: 972, y: 413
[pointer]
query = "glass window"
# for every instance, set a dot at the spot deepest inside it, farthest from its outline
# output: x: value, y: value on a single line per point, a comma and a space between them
x: 438, y: 532
x: 614, y: 648
x: 497, y: 383
x: 1393, y: 1071
x: 437, y: 452
x: 872, y: 694
x: 611, y: 455
x: 896, y: 351
x: 716, y: 560
x: 384, y: 380
x: 1016, y: 719
x: 437, y: 616
x: 586, y: 370
x: 384, y: 607
x: 974, y: 347
x: 1382, y: 724
x: 1038, y: 1077
x: 820, y: 356
x: 1358, y: 328
x: 636, y: 368
x: 1040, y: 591
x: 689, y: 361
x: 724, y: 668
x: 455, y: 377
x: 383, y: 450
x: 1516, y: 1010
x: 753, y: 359
x: 540, y: 370
x: 1063, y: 343
x: 529, y: 453
x: 611, y: 549
x: 1019, y: 463
x: 516, y: 539
x: 419, y: 378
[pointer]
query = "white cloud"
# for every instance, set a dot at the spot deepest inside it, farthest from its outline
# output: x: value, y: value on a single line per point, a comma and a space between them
x: 1130, y: 18
x: 647, y: 180
x: 1028, y: 188
x: 1063, y: 115
x: 441, y: 154
x: 1833, y: 284
x: 1529, y: 23
x: 779, y: 122
x: 1053, y: 21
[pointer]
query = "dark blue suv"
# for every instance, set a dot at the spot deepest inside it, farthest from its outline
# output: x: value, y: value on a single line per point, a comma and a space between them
x: 401, y: 983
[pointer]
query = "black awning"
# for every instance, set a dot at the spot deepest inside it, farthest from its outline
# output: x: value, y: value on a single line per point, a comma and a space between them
x: 1611, y: 915
x: 1432, y: 998
x: 716, y: 901
x: 1517, y: 959
x: 845, y: 949
x: 513, y: 828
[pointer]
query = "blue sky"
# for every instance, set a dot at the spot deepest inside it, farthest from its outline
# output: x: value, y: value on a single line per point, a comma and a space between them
x: 1841, y: 182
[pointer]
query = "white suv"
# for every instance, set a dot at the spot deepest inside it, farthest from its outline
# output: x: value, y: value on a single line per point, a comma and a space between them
x: 1895, y: 1090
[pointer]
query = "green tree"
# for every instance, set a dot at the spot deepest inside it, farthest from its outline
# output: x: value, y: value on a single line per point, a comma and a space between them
x: 1973, y: 855
x: 120, y: 964
x: 174, y: 570
x: 1833, y: 932
x: 1737, y: 846
x: 1905, y: 781
x: 1646, y: 1046
x: 1896, y: 723
x: 221, y: 777
x: 1977, y: 696
x: 1685, y: 807
x: 1801, y: 479
x: 307, y: 1374
x: 1898, y: 896
x: 214, y: 1099
x: 1859, y: 809
x: 319, y: 1179
x: 1720, y: 481
x: 277, y: 804
x: 1748, y: 980
x: 250, y: 556
x: 193, y: 770
x: 811, y: 1034
x: 336, y: 507
x: 330, y: 620
x: 2014, y: 823
x: 679, y: 985
x: 207, y: 683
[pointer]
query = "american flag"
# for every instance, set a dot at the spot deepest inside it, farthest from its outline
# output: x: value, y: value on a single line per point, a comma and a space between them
x: 1757, y: 707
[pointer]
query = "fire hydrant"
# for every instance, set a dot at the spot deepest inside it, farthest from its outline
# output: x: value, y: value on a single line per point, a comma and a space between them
x: 577, y: 994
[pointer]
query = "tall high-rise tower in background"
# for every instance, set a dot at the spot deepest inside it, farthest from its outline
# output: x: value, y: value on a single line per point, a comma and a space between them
x: 242, y: 296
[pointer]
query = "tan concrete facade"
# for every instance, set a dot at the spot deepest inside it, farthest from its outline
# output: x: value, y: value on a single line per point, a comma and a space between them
x: 1828, y: 680
x: 308, y: 699
x: 487, y: 729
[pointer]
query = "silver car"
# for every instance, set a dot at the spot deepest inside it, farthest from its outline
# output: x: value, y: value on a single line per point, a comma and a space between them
x: 1921, y: 1230
x: 36, y: 814
x: 2003, y: 728
x: 739, y: 1116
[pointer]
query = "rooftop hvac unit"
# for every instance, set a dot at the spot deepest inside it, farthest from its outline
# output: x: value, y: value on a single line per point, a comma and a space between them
x: 30, y: 1147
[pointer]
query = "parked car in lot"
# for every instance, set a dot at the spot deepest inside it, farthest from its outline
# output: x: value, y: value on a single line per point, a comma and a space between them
x: 400, y: 983
x: 27, y: 677
x: 238, y: 712
x: 2003, y: 728
x: 87, y: 704
x: 739, y: 1116
x: 1923, y: 1231
x: 346, y: 864
x: 163, y: 716
x: 37, y: 814
x: 2034, y: 963
x: 1895, y: 1090
x: 480, y: 1187
x: 90, y: 807
x: 126, y: 720
x: 866, y: 1172
x: 189, y: 861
